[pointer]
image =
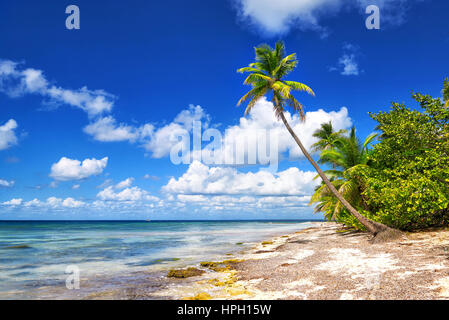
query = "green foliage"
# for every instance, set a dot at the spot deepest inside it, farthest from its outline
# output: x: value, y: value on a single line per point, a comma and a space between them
x: 407, y: 184
x: 349, y: 155
x: 403, y: 181
x: 327, y: 137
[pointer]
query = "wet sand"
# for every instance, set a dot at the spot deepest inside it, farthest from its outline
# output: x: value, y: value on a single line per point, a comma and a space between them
x: 323, y: 263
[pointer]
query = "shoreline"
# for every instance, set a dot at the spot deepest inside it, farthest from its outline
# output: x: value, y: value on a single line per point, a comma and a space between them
x: 323, y: 263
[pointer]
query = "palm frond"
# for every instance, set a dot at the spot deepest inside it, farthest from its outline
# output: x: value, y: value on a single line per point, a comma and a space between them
x: 250, y: 94
x: 332, y: 156
x: 331, y: 174
x: 256, y: 79
x: 256, y: 96
x: 368, y: 140
x: 297, y: 108
x: 298, y: 86
x: 250, y: 69
x: 282, y: 88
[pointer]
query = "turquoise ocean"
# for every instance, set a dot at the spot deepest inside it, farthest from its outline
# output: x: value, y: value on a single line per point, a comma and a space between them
x: 34, y: 255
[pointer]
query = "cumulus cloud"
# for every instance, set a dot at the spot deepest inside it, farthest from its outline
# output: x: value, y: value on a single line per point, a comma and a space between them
x: 132, y: 194
x: 236, y: 141
x: 107, y: 130
x: 234, y: 203
x: 72, y: 203
x: 50, y: 203
x: 8, y: 136
x: 125, y: 183
x: 251, y: 131
x: 6, y: 183
x: 67, y: 169
x: 159, y: 141
x: 278, y: 17
x: 13, y: 202
x: 123, y: 191
x: 16, y: 82
x: 203, y: 180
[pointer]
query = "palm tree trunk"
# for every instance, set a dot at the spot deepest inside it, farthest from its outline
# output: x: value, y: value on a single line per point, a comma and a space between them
x: 373, y: 227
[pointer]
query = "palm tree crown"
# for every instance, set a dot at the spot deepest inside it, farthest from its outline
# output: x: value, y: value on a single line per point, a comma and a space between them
x: 349, y: 151
x: 328, y: 138
x: 266, y: 76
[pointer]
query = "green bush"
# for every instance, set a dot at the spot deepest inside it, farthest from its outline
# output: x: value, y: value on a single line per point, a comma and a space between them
x: 407, y: 181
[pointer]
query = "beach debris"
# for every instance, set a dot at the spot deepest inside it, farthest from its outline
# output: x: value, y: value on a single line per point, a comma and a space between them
x: 220, y: 266
x: 185, y: 273
x: 200, y: 296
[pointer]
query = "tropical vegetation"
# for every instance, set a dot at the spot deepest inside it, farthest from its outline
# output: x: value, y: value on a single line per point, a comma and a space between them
x: 403, y: 181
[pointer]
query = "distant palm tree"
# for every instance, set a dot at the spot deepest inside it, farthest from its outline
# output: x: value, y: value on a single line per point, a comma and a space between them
x: 267, y: 76
x: 327, y: 138
x: 349, y: 155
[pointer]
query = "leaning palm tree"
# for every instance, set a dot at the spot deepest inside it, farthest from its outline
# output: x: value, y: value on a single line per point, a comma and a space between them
x: 328, y: 138
x: 266, y: 76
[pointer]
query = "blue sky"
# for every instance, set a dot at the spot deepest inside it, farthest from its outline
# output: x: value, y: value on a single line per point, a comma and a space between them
x: 115, y: 91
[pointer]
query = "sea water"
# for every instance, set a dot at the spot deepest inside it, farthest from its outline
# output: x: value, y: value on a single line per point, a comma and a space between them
x: 34, y: 255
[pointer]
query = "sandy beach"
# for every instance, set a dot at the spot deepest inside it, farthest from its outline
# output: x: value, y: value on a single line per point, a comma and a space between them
x: 322, y: 262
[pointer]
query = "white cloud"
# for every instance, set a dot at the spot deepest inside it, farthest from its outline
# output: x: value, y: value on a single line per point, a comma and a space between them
x: 159, y: 141
x: 347, y: 63
x: 126, y: 193
x: 72, y: 203
x: 263, y: 119
x: 50, y: 203
x: 239, y: 204
x: 17, y: 82
x: 278, y: 17
x: 150, y: 177
x: 106, y: 130
x: 203, y: 180
x: 54, y: 202
x: 124, y: 184
x: 76, y: 186
x: 350, y: 65
x: 6, y: 183
x: 8, y: 137
x: 13, y: 202
x: 129, y: 194
x: 33, y: 203
x: 67, y: 169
